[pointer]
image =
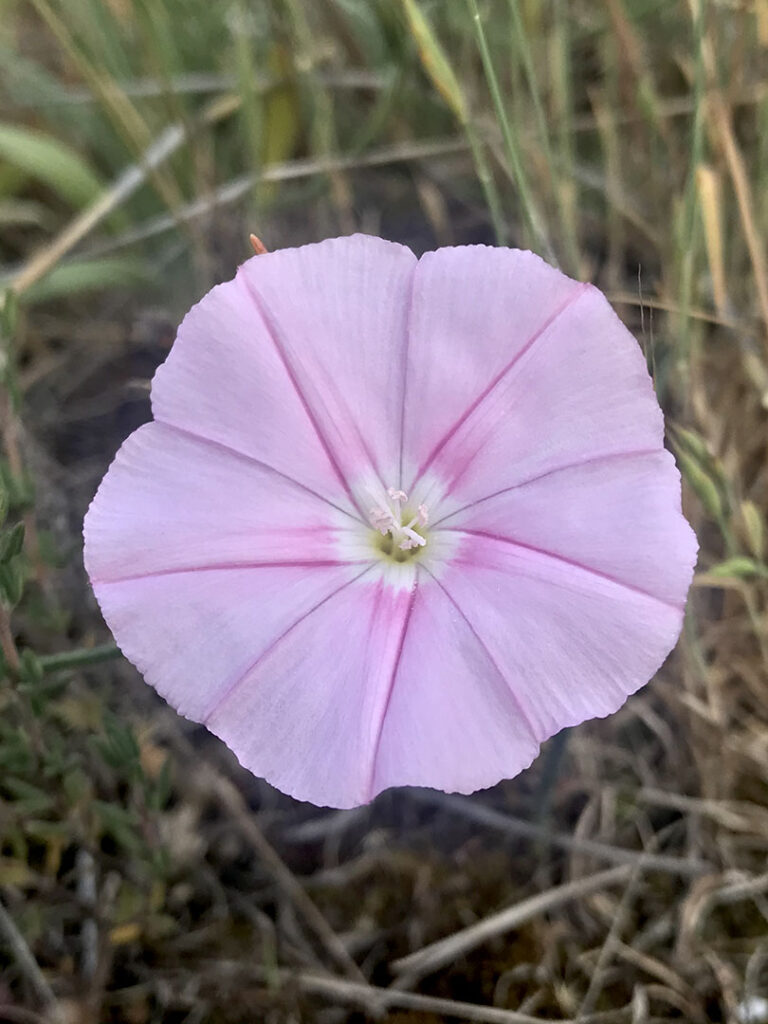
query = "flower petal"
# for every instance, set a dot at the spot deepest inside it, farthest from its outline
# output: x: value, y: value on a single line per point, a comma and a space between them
x: 575, y: 389
x: 619, y: 516
x: 337, y: 315
x: 452, y: 721
x: 193, y: 635
x: 224, y: 381
x: 571, y: 643
x: 172, y: 501
x: 306, y: 715
x: 474, y: 310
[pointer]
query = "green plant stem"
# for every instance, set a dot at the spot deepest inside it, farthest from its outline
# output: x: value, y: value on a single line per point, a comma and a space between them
x: 79, y: 657
x: 688, y: 246
x: 525, y: 51
x: 440, y: 71
x: 531, y: 214
x: 485, y: 177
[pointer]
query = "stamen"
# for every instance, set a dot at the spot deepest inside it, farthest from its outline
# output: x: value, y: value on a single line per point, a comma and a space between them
x: 390, y: 521
x: 382, y: 520
x: 412, y: 539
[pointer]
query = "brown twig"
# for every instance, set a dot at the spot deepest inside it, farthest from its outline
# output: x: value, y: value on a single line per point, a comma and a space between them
x: 512, y: 826
x: 377, y: 1000
x: 446, y: 950
x: 26, y: 962
x: 229, y: 796
x: 9, y: 431
x: 7, y: 642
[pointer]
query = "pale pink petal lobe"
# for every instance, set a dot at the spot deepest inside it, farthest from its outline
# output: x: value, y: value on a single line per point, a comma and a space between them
x: 307, y: 715
x: 173, y: 501
x: 618, y: 516
x: 577, y: 389
x: 452, y: 720
x: 224, y: 381
x: 337, y: 313
x: 474, y: 310
x: 192, y: 635
x: 572, y: 643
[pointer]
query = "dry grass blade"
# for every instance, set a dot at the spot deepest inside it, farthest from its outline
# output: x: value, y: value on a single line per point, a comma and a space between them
x: 381, y: 1000
x: 512, y: 826
x: 710, y: 201
x: 169, y: 140
x: 722, y: 124
x: 608, y: 949
x: 233, y: 801
x: 630, y: 299
x: 293, y: 170
x: 432, y: 957
x: 28, y: 965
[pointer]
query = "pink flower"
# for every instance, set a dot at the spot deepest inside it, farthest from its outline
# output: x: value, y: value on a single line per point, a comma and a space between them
x: 395, y: 522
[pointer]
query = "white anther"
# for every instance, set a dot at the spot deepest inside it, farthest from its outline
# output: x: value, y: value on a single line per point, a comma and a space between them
x: 411, y: 539
x: 382, y: 520
x: 390, y: 520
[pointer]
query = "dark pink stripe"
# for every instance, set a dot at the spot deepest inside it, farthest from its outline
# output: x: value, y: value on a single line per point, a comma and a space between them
x: 392, y: 680
x: 483, y: 645
x: 575, y: 294
x: 230, y: 690
x: 232, y: 567
x: 551, y: 472
x: 485, y: 535
x: 272, y: 332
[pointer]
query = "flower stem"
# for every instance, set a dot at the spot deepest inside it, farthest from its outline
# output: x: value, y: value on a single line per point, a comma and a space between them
x: 7, y: 643
x: 79, y: 657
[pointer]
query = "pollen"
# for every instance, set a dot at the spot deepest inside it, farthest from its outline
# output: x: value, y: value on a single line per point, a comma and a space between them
x: 400, y: 531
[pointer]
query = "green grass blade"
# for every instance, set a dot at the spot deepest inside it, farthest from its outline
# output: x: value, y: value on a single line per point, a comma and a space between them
x: 48, y: 160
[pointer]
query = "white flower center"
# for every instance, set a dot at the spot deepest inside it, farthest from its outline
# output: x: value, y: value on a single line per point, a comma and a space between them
x: 397, y: 525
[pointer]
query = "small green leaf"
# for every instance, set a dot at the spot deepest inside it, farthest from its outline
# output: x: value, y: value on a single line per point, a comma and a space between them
x: 27, y: 798
x: 693, y: 443
x: 703, y: 484
x: 48, y: 160
x: 82, y: 276
x: 9, y: 309
x: 47, y: 831
x: 753, y: 523
x: 11, y: 583
x: 76, y: 785
x: 740, y: 566
x: 12, y: 542
x: 120, y: 823
x: 31, y: 670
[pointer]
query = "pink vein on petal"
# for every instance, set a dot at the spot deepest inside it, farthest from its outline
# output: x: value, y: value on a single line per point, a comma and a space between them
x: 566, y: 561
x: 481, y: 642
x: 255, y: 298
x: 588, y: 461
x: 232, y: 567
x: 221, y: 446
x: 392, y: 680
x: 572, y: 297
x: 232, y: 688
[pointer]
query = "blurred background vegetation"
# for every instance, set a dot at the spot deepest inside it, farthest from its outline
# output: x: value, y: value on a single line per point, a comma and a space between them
x: 143, y: 876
